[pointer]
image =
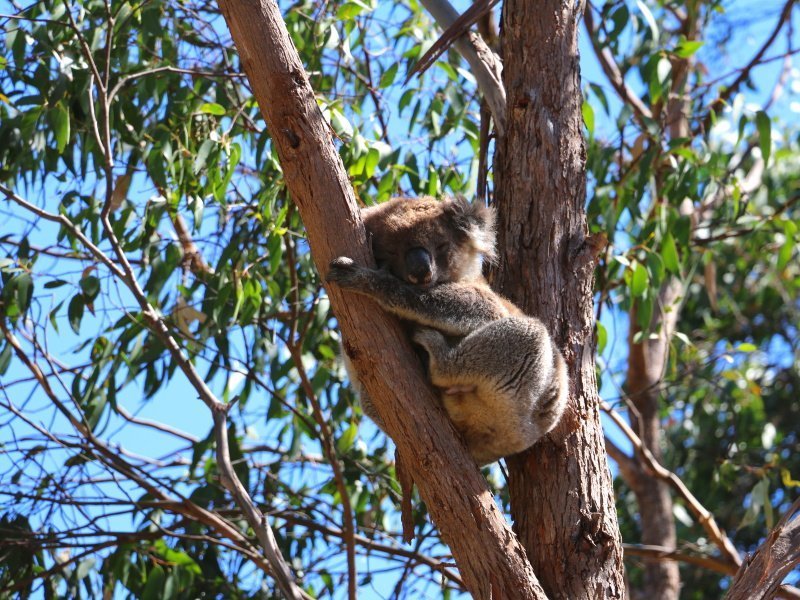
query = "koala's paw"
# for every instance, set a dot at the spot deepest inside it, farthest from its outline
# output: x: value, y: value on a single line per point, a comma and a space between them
x: 341, y: 270
x: 430, y: 339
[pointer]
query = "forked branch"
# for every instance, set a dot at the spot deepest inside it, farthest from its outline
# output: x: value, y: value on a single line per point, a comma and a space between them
x: 492, y: 561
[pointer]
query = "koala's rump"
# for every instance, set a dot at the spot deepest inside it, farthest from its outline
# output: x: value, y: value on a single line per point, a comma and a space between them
x: 487, y: 428
x: 500, y: 375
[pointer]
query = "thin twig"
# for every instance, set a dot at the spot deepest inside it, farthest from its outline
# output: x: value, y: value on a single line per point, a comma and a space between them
x: 611, y: 70
x: 704, y: 517
x: 744, y: 74
x: 485, y: 64
x: 328, y: 447
x: 159, y: 328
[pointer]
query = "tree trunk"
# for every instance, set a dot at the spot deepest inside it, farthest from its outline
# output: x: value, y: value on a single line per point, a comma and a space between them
x: 561, y: 491
x: 646, y: 363
x: 760, y: 576
x: 489, y: 556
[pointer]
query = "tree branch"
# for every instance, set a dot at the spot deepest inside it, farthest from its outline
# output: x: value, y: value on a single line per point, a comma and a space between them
x: 111, y: 458
x: 257, y: 520
x: 326, y: 440
x: 485, y: 64
x: 662, y: 553
x: 744, y: 74
x: 628, y: 467
x: 491, y: 560
x: 159, y: 328
x: 761, y: 574
x: 610, y: 68
x: 705, y: 518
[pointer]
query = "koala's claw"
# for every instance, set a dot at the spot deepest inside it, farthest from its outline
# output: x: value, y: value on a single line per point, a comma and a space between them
x: 340, y: 269
x: 342, y: 261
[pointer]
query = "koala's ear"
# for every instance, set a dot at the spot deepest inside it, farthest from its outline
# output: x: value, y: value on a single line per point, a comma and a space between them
x: 469, y: 215
x: 476, y: 221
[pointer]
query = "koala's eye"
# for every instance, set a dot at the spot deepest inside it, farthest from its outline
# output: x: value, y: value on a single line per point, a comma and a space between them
x: 443, y: 247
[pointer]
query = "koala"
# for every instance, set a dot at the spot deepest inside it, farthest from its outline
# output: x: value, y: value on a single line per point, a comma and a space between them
x: 501, y: 378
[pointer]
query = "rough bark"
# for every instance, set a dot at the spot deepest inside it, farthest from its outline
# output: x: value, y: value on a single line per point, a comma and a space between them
x: 489, y: 556
x: 561, y: 491
x: 761, y: 574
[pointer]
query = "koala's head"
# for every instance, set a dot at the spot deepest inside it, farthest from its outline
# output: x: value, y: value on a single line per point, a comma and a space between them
x: 424, y: 241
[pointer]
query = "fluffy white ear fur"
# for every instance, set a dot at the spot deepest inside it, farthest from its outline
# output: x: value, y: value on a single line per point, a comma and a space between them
x: 484, y: 241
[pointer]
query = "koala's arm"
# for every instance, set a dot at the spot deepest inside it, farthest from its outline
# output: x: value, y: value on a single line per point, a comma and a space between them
x: 452, y: 308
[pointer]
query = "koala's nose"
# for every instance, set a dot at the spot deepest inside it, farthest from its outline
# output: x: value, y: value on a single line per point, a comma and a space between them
x: 419, y: 266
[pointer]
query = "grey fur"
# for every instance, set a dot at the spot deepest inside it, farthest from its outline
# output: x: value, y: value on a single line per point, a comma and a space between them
x: 502, y: 380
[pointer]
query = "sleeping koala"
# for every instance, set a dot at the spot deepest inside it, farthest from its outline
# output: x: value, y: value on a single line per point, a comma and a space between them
x: 503, y: 382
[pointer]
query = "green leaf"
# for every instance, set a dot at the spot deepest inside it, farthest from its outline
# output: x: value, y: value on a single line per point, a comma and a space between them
x: 656, y: 268
x: 60, y: 116
x: 432, y: 188
x: 200, y: 448
x: 759, y: 499
x: 663, y: 70
x: 275, y: 252
x: 240, y: 465
x: 202, y: 156
x: 24, y: 284
x: 639, y: 280
x: 371, y: 161
x: 405, y: 100
x: 588, y: 117
x: 56, y: 283
x: 340, y: 124
x: 602, y: 337
x: 90, y: 286
x: 350, y: 10
x: 94, y: 409
x: 669, y: 253
x: 212, y: 108
x: 75, y: 312
x: 344, y: 443
x: 764, y: 134
x: 5, y: 358
x: 785, y: 254
x: 687, y: 48
x: 388, y: 76
x: 600, y: 94
x: 176, y: 557
x: 83, y: 568
x: 788, y: 246
x: 53, y: 316
x: 651, y: 21
x: 153, y: 589
x: 659, y: 70
x: 619, y: 19
x: 644, y: 313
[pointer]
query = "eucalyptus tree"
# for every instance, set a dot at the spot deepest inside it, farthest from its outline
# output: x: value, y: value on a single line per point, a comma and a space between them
x: 175, y: 419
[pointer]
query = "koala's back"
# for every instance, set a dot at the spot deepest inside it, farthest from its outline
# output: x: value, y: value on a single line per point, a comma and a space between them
x: 504, y: 385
